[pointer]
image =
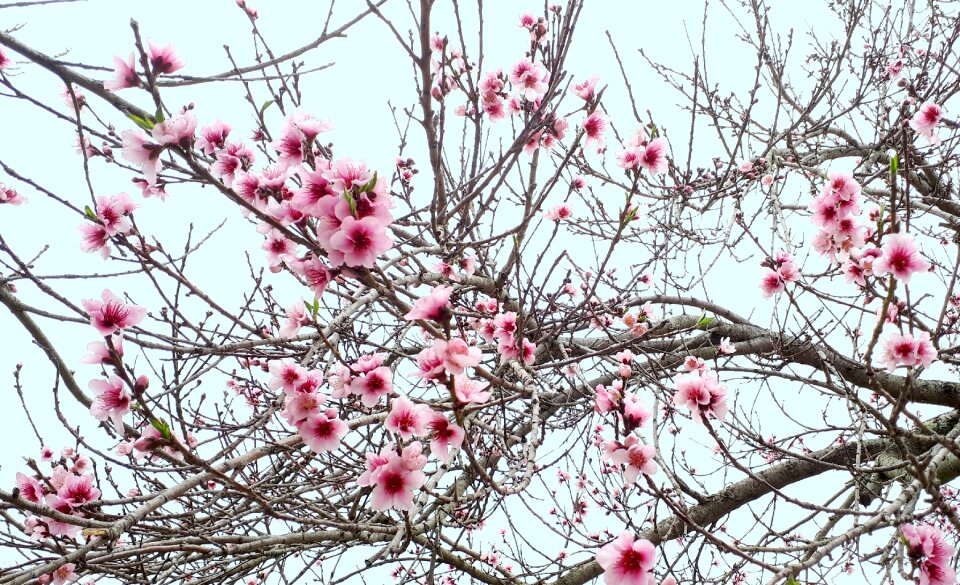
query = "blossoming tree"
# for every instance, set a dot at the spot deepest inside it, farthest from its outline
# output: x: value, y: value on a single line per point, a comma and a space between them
x: 550, y: 340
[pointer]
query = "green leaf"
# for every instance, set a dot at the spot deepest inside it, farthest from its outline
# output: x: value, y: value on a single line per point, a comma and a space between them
x: 369, y: 186
x: 352, y: 202
x: 145, y: 124
x: 163, y: 427
x: 632, y: 214
x: 314, y: 308
x: 89, y: 212
x: 264, y: 107
x: 792, y: 581
x: 654, y: 132
x: 704, y: 322
x: 159, y: 115
x: 894, y: 164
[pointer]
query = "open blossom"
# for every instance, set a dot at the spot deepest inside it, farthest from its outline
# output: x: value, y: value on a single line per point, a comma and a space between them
x: 905, y: 350
x: 394, y: 477
x: 297, y: 317
x: 371, y: 385
x: 111, y: 314
x: 900, y: 258
x: 929, y: 551
x: 654, y: 157
x: 926, y: 119
x: 78, y: 490
x: 322, y: 431
x: 457, y: 355
x: 558, y: 212
x: 286, y: 374
x: 407, y: 419
x: 634, y: 455
x: 627, y: 561
x: 359, y: 242
x: 113, y: 213
x: 702, y: 393
x: 635, y: 412
x: 9, y: 196
x: 30, y: 488
x: 111, y: 402
x: 124, y: 75
x: 64, y: 574
x: 433, y: 307
x: 177, y: 130
x: 213, y: 137
x: 4, y: 60
x: 138, y: 149
x: 446, y: 436
x: 594, y: 126
x: 470, y: 391
x: 586, y: 90
x: 529, y: 79
x: 726, y: 347
x: 163, y: 59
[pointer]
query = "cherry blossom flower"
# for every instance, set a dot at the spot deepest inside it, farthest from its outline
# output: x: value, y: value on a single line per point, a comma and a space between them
x: 152, y: 439
x: 138, y: 149
x: 558, y: 212
x: 654, y: 157
x: 111, y: 401
x: 470, y: 391
x: 726, y: 347
x: 594, y: 126
x: 112, y: 213
x: 4, y: 60
x: 297, y: 317
x: 702, y: 393
x: 78, y: 490
x: 286, y: 374
x: 627, y: 561
x: 433, y: 307
x: 447, y: 436
x: 111, y: 314
x: 635, y: 412
x: 407, y: 419
x: 371, y: 385
x: 586, y: 90
x: 359, y: 242
x: 213, y: 137
x: 368, y: 362
x: 430, y: 366
x: 930, y: 553
x: 124, y: 75
x: 900, y: 257
x: 529, y: 79
x: 926, y: 119
x: 322, y: 431
x: 163, y: 59
x: 634, y: 455
x: 904, y: 350
x: 177, y: 130
x: 64, y: 574
x: 94, y: 238
x: 771, y: 284
x: 457, y: 355
x: 396, y: 480
x: 30, y: 488
x: 9, y: 196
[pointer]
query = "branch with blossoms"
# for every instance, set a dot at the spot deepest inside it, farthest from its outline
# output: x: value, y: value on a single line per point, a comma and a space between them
x: 543, y: 344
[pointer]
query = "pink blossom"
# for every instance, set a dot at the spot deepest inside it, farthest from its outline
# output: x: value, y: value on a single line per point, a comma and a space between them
x: 124, y: 75
x: 138, y: 149
x: 213, y: 137
x: 637, y: 457
x: 4, y: 60
x: 113, y: 213
x: 286, y: 374
x: 629, y: 158
x: 626, y: 561
x: 368, y: 362
x: 78, y: 490
x: 396, y: 479
x: 64, y: 574
x: 111, y: 401
x: 506, y: 325
x: 529, y: 79
x: 94, y: 238
x: 594, y: 126
x: 702, y: 393
x: 176, y: 131
x: 433, y: 307
x: 726, y: 347
x: 926, y: 118
x: 279, y: 249
x: 930, y: 552
x: 904, y: 350
x: 606, y: 400
x: 456, y: 355
x: 586, y: 90
x: 233, y: 158
x: 322, y: 431
x: 371, y: 385
x: 152, y: 439
x: 470, y: 391
x: 900, y: 257
x: 359, y: 242
x: 771, y: 284
x: 314, y: 271
x: 9, y: 196
x: 635, y: 412
x: 430, y: 366
x: 163, y: 59
x: 297, y: 317
x: 446, y: 435
x: 111, y: 314
x: 407, y: 419
x: 30, y: 488
x: 654, y: 157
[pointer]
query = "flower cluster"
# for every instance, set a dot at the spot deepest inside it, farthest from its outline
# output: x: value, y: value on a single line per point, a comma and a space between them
x: 700, y: 391
x: 111, y: 218
x: 901, y: 349
x: 641, y: 152
x: 780, y: 270
x: 627, y: 561
x: 394, y: 476
x: 65, y: 490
